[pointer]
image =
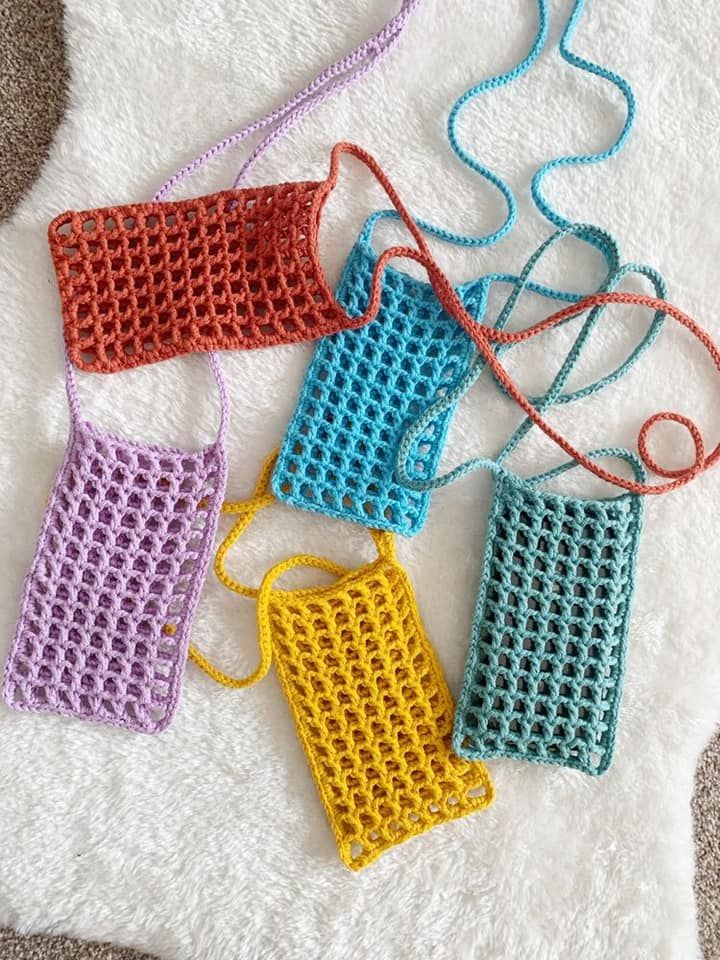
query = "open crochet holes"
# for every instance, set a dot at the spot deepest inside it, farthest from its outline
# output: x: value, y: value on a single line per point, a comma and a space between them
x: 234, y: 270
x: 243, y: 272
x: 109, y: 600
x: 359, y: 854
x: 361, y: 391
x: 112, y: 239
x: 372, y: 710
x: 544, y: 673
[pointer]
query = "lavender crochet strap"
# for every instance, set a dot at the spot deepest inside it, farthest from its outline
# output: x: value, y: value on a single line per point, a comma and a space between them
x: 333, y: 79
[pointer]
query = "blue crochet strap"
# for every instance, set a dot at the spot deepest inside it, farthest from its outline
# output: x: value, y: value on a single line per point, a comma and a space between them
x: 554, y: 394
x: 599, y: 241
x: 492, y: 83
x: 589, y: 158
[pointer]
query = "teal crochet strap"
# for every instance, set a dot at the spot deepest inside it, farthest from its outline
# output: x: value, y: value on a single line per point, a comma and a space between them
x: 411, y: 473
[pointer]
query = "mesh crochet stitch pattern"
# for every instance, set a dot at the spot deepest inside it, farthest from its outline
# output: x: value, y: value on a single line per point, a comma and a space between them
x: 367, y: 693
x: 110, y: 597
x: 372, y: 711
x: 543, y: 678
x: 234, y: 270
x: 362, y: 390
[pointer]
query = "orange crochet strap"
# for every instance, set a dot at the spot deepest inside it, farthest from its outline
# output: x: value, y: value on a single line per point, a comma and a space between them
x: 369, y: 699
x: 235, y: 270
x: 484, y: 337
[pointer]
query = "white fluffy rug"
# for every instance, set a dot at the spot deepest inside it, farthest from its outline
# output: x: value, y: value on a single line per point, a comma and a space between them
x: 209, y: 841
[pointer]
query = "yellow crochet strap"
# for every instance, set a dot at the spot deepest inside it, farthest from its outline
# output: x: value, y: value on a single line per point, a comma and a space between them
x: 264, y: 597
x: 266, y: 592
x: 262, y: 494
x: 385, y: 544
x: 245, y: 510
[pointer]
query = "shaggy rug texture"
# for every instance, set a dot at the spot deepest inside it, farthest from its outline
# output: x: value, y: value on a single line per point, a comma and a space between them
x: 706, y: 808
x: 209, y: 841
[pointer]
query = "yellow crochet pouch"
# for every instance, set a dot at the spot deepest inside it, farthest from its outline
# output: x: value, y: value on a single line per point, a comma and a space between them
x: 368, y: 696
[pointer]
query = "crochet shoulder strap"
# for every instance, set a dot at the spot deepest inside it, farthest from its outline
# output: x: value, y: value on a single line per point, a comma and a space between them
x: 245, y: 511
x: 334, y: 78
x: 554, y: 394
x: 488, y: 340
x: 619, y: 453
x: 602, y: 241
x: 485, y: 86
x: 585, y: 159
x: 75, y: 406
x: 464, y: 155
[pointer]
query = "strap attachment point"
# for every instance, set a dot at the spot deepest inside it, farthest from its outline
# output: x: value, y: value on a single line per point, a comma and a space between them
x: 245, y: 511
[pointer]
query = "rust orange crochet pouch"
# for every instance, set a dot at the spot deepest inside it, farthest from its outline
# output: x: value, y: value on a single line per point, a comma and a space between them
x: 235, y: 270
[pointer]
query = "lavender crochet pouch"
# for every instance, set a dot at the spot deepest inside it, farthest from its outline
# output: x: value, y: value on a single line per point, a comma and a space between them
x: 110, y: 597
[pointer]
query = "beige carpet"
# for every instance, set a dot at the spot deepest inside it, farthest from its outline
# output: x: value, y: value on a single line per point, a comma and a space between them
x: 706, y: 809
x: 13, y: 946
x: 33, y: 85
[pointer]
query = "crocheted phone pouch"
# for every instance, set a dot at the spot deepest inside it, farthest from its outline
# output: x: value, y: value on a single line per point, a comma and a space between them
x: 544, y: 672
x: 368, y: 696
x: 110, y: 597
x: 235, y: 270
x: 362, y: 390
x: 148, y: 281
x: 364, y: 387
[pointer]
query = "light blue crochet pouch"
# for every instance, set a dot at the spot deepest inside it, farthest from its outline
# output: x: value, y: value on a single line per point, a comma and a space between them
x: 365, y: 387
x: 362, y: 391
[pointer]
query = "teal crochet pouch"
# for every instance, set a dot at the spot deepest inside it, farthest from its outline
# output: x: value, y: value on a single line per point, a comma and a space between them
x: 544, y: 672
